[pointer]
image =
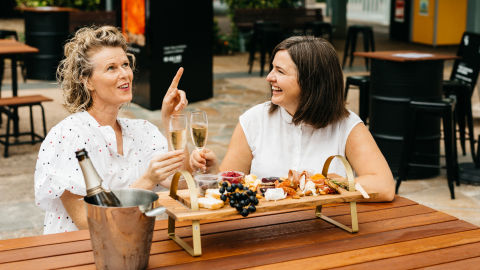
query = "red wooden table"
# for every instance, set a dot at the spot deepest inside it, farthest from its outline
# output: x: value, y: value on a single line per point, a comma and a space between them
x: 397, y: 235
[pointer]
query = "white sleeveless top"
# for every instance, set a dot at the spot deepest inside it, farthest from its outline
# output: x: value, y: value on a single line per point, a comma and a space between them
x: 278, y: 145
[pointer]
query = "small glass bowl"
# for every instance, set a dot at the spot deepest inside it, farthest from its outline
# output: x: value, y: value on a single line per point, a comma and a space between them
x: 206, y: 181
x: 233, y: 177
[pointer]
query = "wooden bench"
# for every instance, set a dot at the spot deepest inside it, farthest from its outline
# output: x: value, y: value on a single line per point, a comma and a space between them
x: 8, y: 106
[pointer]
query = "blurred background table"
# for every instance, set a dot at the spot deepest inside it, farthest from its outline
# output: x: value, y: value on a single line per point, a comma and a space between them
x: 13, y: 49
x: 397, y: 235
x: 397, y: 77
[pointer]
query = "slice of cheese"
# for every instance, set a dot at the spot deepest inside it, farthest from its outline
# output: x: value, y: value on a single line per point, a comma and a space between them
x: 212, y: 193
x: 210, y: 203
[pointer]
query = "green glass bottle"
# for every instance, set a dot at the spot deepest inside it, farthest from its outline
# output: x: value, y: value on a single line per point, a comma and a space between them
x: 93, y: 183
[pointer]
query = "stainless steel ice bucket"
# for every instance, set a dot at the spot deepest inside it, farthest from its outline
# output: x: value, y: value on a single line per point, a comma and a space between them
x: 121, y: 236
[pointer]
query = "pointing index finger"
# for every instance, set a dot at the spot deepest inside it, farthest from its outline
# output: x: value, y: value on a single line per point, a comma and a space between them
x: 176, y: 79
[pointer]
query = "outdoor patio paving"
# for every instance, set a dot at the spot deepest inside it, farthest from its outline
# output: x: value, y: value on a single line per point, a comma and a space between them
x: 234, y: 91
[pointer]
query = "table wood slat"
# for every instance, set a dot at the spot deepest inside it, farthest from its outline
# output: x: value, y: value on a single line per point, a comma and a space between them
x: 422, y: 259
x: 383, y: 251
x: 297, y: 233
x: 161, y: 245
x: 51, y: 262
x: 21, y: 100
x: 331, y: 243
x: 392, y: 56
x: 390, y: 233
x: 468, y: 264
x: 9, y: 46
x: 331, y: 246
x: 43, y: 240
x: 291, y: 236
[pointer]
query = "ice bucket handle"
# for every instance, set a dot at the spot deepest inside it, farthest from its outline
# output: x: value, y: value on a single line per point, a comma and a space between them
x: 155, y: 211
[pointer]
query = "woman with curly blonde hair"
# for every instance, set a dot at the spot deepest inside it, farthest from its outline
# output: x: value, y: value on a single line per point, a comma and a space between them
x: 96, y: 78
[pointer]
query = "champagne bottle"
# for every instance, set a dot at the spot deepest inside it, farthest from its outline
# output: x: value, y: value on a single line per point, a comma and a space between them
x: 95, y: 193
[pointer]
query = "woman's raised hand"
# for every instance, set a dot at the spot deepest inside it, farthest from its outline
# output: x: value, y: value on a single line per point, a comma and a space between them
x: 175, y: 100
x: 204, y: 161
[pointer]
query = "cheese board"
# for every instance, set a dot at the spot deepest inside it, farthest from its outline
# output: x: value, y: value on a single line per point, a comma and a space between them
x: 182, y: 205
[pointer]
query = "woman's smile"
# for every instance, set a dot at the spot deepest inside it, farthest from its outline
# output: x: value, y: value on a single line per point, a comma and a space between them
x: 283, y: 79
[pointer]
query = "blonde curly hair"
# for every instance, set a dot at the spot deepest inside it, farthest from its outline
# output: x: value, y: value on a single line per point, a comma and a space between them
x: 74, y: 70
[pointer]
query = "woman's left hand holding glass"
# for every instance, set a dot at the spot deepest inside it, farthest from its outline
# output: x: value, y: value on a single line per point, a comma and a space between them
x: 204, y: 160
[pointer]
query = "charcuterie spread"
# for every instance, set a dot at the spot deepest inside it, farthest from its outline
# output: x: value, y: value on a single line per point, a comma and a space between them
x: 235, y: 194
x: 245, y: 193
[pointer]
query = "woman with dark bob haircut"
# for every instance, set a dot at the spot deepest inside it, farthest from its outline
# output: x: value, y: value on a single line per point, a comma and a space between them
x: 303, y: 124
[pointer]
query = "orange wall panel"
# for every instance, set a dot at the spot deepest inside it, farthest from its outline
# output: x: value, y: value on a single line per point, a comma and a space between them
x: 452, y: 21
x: 423, y: 24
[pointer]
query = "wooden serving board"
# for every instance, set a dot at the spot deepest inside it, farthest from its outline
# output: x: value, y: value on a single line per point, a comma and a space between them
x: 180, y: 209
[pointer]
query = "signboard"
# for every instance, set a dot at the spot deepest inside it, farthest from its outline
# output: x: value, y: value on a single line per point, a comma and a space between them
x: 423, y: 7
x: 399, y: 11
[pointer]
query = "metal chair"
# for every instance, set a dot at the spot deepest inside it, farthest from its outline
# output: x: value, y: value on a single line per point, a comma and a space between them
x: 318, y: 29
x: 363, y: 84
x: 265, y: 36
x: 443, y: 109
x: 462, y: 83
x: 351, y: 42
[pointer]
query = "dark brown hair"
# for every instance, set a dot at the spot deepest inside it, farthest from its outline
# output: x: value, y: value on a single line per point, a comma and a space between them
x: 320, y: 78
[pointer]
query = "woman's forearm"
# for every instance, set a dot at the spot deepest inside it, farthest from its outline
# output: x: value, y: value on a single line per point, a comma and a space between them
x: 383, y: 185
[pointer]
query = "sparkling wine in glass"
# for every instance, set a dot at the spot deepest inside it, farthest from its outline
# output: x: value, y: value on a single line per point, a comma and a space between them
x: 178, y: 131
x: 199, y: 129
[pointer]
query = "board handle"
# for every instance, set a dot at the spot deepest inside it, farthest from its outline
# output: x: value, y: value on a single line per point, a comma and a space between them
x: 192, y: 188
x: 348, y: 169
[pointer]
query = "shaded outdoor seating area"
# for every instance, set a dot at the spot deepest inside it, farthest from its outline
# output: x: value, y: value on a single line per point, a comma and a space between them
x: 420, y: 103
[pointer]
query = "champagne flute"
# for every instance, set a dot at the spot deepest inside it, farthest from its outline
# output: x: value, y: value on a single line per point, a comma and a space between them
x: 199, y: 129
x: 178, y: 131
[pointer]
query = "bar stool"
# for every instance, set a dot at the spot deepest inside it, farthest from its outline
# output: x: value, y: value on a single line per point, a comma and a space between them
x: 265, y: 35
x: 8, y: 106
x: 462, y: 83
x: 351, y: 42
x: 318, y: 29
x: 444, y: 109
x: 463, y: 111
x: 363, y: 84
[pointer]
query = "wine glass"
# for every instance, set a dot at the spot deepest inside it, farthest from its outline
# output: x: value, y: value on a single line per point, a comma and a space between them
x: 199, y: 130
x: 177, y: 130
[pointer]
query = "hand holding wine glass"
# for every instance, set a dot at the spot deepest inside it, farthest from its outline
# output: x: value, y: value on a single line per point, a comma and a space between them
x: 199, y: 129
x: 177, y: 131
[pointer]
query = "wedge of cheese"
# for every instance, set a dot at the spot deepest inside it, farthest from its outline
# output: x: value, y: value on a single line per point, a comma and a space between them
x: 210, y: 203
x: 212, y: 193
